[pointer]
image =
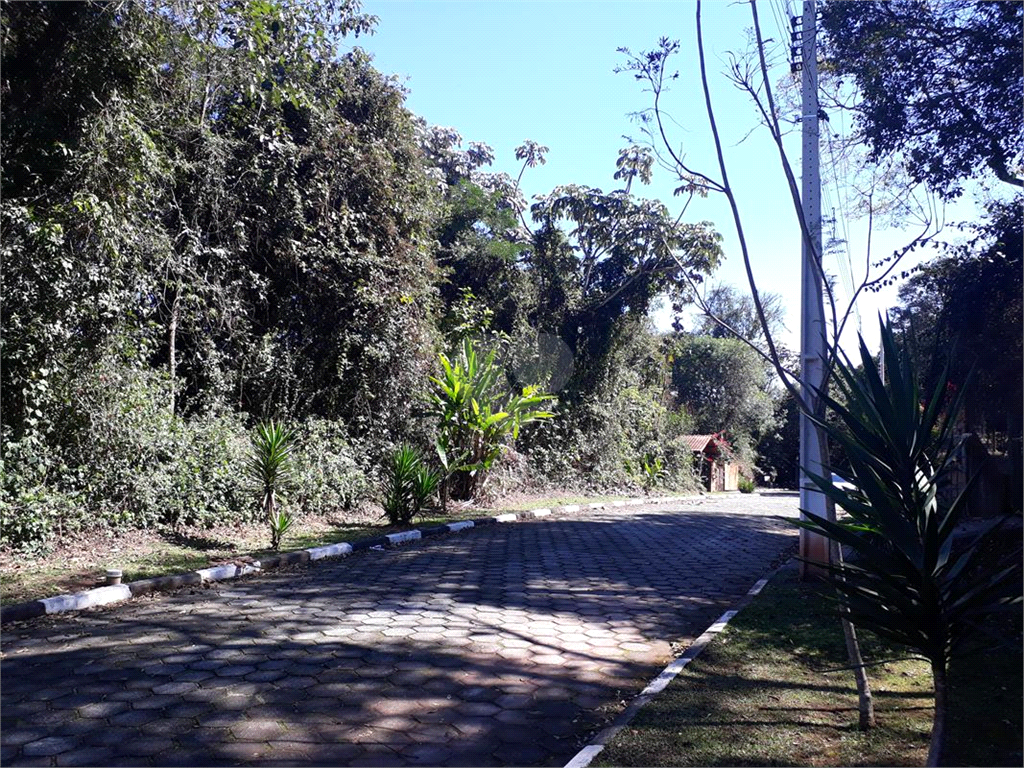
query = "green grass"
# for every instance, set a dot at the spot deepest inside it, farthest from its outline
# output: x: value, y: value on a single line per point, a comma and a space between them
x: 763, y: 693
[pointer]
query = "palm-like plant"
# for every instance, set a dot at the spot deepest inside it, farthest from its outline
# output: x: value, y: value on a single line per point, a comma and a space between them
x: 906, y: 584
x: 270, y: 468
x: 408, y: 485
x: 476, y: 415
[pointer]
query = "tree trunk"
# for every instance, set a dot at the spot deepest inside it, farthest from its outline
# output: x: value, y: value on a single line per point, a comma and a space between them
x: 865, y: 702
x: 172, y: 343
x: 935, y: 748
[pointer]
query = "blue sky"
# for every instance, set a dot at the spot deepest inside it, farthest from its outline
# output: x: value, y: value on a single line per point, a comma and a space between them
x: 503, y: 72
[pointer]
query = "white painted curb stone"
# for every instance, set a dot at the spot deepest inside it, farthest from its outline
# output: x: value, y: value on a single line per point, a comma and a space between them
x: 585, y: 756
x: 87, y: 599
x: 221, y: 572
x: 399, y: 538
x: 330, y: 550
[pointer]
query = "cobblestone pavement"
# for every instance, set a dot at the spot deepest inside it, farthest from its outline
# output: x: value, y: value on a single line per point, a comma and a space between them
x: 507, y: 644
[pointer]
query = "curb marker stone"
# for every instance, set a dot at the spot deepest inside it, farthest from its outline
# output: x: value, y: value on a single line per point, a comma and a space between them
x: 586, y: 755
x: 331, y: 550
x: 229, y: 571
x: 404, y: 536
x: 87, y: 599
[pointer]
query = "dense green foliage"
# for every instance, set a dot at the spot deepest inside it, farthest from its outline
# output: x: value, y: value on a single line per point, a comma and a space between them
x: 211, y: 219
x: 939, y: 84
x: 188, y: 235
x: 962, y: 312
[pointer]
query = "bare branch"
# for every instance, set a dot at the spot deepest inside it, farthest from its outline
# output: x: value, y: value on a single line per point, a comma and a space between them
x: 773, y: 353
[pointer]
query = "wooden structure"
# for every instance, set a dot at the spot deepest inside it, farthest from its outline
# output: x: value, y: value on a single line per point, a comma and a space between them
x: 715, y: 473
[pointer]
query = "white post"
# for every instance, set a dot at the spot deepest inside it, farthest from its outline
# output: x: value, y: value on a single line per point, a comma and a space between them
x: 812, y: 312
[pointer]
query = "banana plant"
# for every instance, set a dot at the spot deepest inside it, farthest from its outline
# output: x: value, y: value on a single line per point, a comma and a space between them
x: 270, y: 468
x: 907, y: 582
x: 476, y: 417
x: 654, y: 471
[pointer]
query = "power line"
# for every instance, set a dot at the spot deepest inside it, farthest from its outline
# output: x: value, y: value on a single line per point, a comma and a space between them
x: 845, y: 256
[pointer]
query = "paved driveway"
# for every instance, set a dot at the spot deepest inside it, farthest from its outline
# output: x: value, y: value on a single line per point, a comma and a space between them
x: 501, y: 645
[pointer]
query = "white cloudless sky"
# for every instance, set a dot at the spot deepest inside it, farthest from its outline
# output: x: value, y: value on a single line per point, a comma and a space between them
x: 503, y: 72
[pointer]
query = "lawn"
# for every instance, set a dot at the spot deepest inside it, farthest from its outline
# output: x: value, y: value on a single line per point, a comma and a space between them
x: 769, y: 691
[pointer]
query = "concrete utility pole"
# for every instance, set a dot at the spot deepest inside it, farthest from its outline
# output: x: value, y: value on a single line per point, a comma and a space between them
x: 813, y: 546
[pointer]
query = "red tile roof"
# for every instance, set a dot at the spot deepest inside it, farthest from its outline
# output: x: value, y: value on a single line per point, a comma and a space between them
x: 697, y: 443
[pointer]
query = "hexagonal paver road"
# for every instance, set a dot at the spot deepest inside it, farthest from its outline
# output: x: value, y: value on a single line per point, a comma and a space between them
x: 507, y: 644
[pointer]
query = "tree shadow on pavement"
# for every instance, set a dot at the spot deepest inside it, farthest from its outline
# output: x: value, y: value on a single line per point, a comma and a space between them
x: 505, y: 645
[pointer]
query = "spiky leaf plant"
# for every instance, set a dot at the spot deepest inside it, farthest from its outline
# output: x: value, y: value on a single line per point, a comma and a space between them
x: 906, y: 582
x: 270, y: 468
x: 409, y: 485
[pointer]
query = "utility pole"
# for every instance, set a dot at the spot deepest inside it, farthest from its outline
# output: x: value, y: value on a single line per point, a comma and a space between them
x: 813, y: 546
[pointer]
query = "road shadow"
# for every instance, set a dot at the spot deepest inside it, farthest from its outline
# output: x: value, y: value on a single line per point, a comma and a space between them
x: 491, y: 652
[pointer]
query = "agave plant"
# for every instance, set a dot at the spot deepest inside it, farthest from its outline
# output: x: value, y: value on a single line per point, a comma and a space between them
x: 270, y: 468
x: 906, y: 582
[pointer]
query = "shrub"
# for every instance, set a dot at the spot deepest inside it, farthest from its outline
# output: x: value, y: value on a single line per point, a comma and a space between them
x: 596, y: 441
x: 112, y: 455
x: 326, y: 476
x: 195, y: 478
x: 746, y: 485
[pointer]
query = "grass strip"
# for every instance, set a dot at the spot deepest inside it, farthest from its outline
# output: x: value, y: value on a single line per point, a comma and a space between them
x: 769, y: 691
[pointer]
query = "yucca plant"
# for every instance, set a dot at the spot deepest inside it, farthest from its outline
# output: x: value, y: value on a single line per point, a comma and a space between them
x: 906, y: 583
x: 409, y: 485
x: 270, y: 468
x: 476, y: 415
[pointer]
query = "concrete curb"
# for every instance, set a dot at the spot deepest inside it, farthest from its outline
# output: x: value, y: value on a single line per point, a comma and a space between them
x: 106, y: 595
x: 586, y: 755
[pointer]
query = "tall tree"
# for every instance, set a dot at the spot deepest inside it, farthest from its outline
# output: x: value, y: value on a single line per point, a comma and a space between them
x: 726, y: 303
x: 938, y: 83
x: 962, y: 312
x: 617, y: 255
x: 723, y: 385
